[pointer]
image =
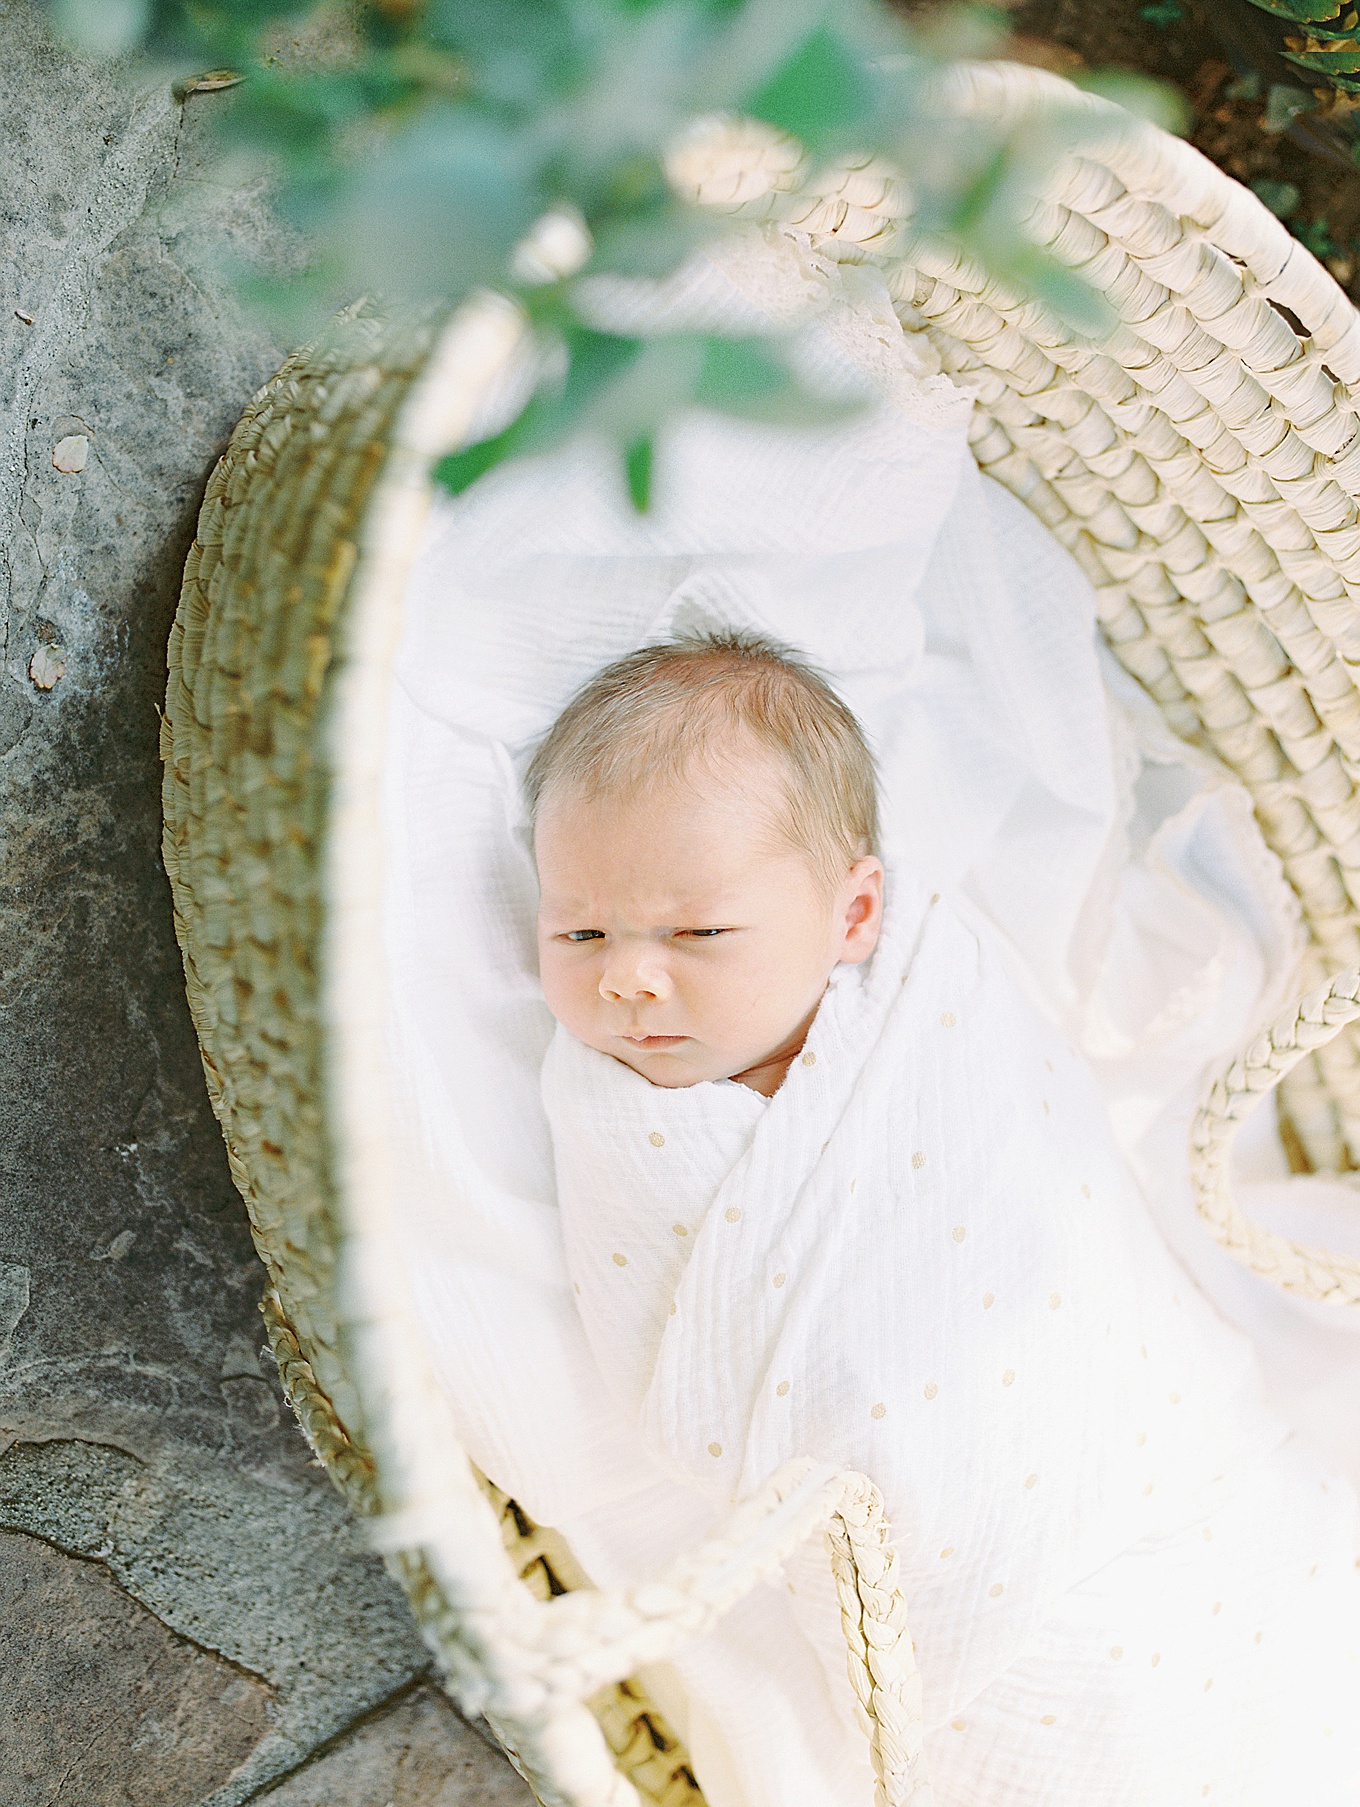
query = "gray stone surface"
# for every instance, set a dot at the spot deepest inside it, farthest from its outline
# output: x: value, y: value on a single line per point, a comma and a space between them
x: 273, y: 1579
x: 143, y: 1434
x: 415, y: 1753
x: 120, y: 1710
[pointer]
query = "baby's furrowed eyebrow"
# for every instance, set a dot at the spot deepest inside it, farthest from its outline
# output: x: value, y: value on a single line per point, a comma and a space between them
x: 668, y: 917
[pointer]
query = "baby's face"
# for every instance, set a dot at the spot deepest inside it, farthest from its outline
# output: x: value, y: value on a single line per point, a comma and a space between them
x: 677, y: 934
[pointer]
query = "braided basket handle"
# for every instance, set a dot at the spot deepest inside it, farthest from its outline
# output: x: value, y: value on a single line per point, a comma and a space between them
x: 536, y: 1663
x: 1312, y: 1272
x: 597, y: 1636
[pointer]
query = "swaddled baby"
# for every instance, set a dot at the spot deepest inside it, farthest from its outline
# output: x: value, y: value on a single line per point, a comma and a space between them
x: 832, y: 1186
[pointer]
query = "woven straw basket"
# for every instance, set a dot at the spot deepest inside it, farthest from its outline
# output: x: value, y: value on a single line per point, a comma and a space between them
x: 1202, y: 462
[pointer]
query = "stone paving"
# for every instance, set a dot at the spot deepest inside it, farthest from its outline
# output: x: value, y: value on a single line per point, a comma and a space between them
x: 188, y: 1617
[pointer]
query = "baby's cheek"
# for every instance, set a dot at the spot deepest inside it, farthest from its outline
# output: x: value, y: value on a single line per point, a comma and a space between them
x: 561, y: 988
x: 755, y: 992
x: 571, y: 990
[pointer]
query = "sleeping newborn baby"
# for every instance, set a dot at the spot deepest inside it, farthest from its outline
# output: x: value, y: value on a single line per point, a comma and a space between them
x: 831, y: 1185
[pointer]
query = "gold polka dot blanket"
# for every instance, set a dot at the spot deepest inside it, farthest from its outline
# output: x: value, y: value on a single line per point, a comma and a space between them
x: 922, y: 1259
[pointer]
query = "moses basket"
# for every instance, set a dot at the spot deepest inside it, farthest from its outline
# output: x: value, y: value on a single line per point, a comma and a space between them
x: 1202, y: 463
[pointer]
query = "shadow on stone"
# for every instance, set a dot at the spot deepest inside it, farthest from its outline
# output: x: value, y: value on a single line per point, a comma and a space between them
x: 103, y: 1704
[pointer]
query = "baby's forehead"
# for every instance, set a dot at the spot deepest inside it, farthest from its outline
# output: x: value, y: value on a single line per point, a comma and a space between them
x: 705, y: 835
x: 737, y: 778
x: 672, y: 843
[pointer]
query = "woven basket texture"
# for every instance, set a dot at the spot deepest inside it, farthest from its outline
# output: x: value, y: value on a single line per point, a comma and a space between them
x: 1201, y: 461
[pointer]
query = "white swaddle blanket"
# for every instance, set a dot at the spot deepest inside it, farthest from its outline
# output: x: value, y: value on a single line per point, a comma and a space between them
x: 921, y: 1259
x: 1031, y: 784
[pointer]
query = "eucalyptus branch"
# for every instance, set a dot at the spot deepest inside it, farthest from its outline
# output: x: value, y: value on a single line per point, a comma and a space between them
x: 427, y: 149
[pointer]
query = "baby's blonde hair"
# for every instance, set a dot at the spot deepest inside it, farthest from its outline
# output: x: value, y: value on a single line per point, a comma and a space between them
x: 653, y: 714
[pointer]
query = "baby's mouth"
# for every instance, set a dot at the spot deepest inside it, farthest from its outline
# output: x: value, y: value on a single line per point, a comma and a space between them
x: 654, y: 1042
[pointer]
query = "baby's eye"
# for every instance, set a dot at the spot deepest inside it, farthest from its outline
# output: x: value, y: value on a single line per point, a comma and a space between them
x: 697, y: 934
x: 585, y: 935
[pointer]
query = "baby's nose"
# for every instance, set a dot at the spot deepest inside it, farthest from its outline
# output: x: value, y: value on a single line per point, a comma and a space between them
x: 625, y: 979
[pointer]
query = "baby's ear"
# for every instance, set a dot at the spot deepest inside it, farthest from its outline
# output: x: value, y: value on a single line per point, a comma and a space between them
x: 862, y: 917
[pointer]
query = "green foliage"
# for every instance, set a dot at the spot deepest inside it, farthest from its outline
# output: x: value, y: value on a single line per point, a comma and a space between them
x: 421, y: 145
x: 1328, y: 48
x: 1283, y: 106
x: 637, y: 470
x: 1335, y: 56
x: 1140, y: 95
x: 1316, y: 235
x: 1162, y: 13
x: 821, y: 88
x: 1281, y: 197
x: 1304, y: 12
x: 625, y: 388
x: 1246, y: 86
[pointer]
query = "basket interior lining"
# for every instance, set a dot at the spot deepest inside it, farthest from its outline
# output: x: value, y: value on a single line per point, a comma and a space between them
x: 500, y: 630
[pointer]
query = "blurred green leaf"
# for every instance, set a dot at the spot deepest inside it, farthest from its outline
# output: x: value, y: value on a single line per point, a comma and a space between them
x: 518, y: 50
x: 460, y: 470
x: 1283, y: 105
x: 1303, y: 11
x: 1281, y: 197
x: 1340, y: 59
x: 626, y: 388
x: 977, y: 199
x: 1069, y: 296
x: 737, y: 373
x: 596, y: 361
x: 757, y: 38
x: 1159, y: 102
x: 416, y: 143
x: 1316, y: 235
x: 218, y: 31
x: 820, y: 90
x: 752, y: 380
x: 637, y: 467
x: 435, y: 210
x: 298, y: 116
x: 651, y: 240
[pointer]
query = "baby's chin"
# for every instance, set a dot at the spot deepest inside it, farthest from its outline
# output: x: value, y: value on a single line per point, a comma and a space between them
x: 686, y: 1063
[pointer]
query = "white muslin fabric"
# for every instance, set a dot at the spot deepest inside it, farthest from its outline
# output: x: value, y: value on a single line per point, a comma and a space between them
x: 920, y: 1259
x: 924, y: 1259
x: 1108, y: 880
